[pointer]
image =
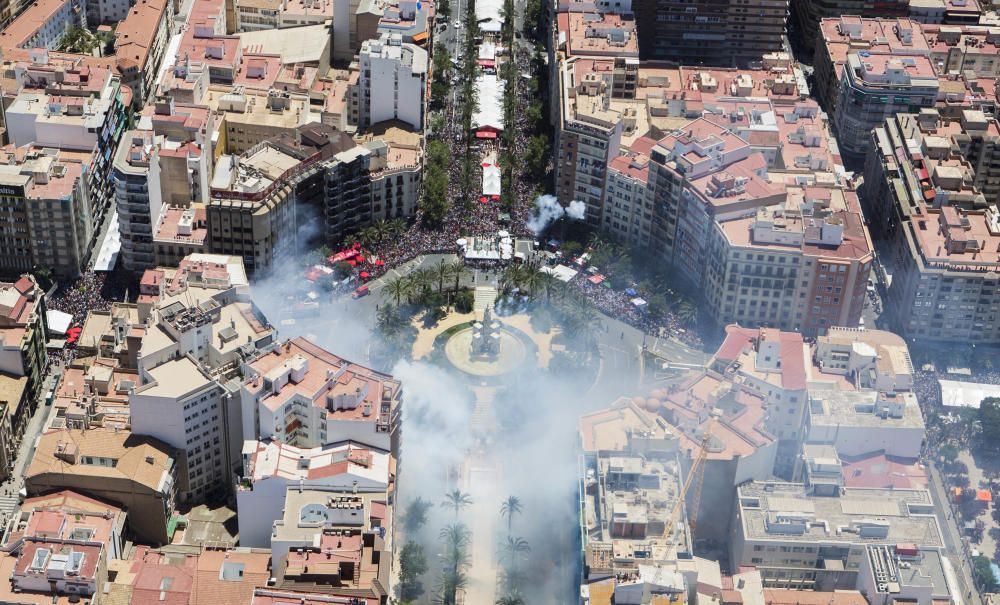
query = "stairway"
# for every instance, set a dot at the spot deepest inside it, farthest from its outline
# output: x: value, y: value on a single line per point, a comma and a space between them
x: 485, y: 296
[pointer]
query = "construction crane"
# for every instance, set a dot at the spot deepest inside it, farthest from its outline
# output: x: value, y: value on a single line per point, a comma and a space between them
x: 695, y: 476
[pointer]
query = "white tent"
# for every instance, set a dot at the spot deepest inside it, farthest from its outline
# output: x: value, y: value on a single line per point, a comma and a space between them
x: 561, y: 272
x: 488, y: 15
x: 491, y: 180
x: 489, y: 111
x: 57, y: 321
x: 955, y: 393
x: 111, y: 245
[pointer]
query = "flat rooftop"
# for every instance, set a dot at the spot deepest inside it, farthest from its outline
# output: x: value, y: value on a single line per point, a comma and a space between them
x: 786, y: 512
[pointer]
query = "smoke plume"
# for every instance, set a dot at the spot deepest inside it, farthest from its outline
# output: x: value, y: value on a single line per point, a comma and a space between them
x: 548, y: 210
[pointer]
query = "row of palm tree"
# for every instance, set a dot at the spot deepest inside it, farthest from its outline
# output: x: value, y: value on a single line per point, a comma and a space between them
x: 422, y: 280
x: 377, y: 232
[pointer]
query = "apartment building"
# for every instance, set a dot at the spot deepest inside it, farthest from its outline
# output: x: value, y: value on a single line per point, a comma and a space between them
x: 47, y: 189
x: 251, y: 211
x: 392, y: 82
x: 857, y: 423
x: 136, y: 472
x: 943, y: 232
x: 875, y: 87
x: 953, y: 50
x: 202, y: 326
x: 805, y: 536
x: 247, y: 116
x: 278, y: 395
x: 95, y: 396
x: 270, y: 469
x: 768, y: 248
x: 256, y: 15
x: 142, y: 35
x: 181, y: 404
x: 42, y: 24
x: 869, y: 359
x: 22, y: 361
x: 166, y: 164
x: 180, y: 233
x: 73, y: 109
x: 731, y: 33
x: 810, y: 15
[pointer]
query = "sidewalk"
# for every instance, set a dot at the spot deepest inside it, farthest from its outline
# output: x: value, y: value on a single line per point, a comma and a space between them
x: 958, y: 550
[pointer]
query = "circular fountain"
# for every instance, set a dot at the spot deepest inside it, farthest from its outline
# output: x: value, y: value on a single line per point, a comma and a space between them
x: 486, y: 348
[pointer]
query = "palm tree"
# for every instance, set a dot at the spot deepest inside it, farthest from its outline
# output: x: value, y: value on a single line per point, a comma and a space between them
x: 687, y: 312
x: 351, y: 240
x: 380, y: 229
x: 420, y: 281
x: 516, y: 548
x: 533, y: 277
x: 510, y: 599
x: 442, y: 271
x: 398, y: 287
x: 510, y: 507
x: 457, y: 270
x: 456, y: 544
x: 511, y: 278
x: 397, y: 226
x: 457, y: 499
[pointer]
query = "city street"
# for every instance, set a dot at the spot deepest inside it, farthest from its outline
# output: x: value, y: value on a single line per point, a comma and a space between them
x: 9, y: 489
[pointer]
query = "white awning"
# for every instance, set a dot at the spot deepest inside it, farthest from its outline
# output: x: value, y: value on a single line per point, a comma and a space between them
x: 491, y: 180
x: 57, y: 321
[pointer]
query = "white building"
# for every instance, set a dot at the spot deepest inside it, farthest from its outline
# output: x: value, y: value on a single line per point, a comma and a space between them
x: 863, y: 422
x: 393, y: 81
x: 181, y: 405
x: 271, y: 467
x: 305, y: 396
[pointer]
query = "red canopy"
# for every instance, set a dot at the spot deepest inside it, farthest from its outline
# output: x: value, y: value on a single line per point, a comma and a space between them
x: 495, y: 197
x: 483, y: 200
x: 364, y: 275
x: 379, y: 262
x: 486, y: 134
x: 352, y: 262
x: 360, y: 259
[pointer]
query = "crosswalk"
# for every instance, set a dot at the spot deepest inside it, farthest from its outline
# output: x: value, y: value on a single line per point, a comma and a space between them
x: 8, y: 504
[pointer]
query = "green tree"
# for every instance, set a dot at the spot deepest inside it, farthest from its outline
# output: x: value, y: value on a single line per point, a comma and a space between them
x: 510, y: 599
x: 416, y: 514
x: 342, y: 269
x: 397, y: 287
x: 510, y: 507
x: 989, y: 418
x: 982, y: 573
x: 442, y: 271
x: 457, y: 500
x: 412, y: 565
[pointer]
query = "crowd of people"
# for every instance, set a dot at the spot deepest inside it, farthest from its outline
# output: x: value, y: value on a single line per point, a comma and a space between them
x: 92, y: 291
x: 618, y: 305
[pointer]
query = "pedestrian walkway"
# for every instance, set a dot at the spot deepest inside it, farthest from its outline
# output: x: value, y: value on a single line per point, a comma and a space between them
x: 486, y: 296
x: 8, y: 504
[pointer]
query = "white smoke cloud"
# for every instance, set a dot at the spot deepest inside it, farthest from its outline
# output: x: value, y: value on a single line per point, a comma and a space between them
x: 548, y: 210
x: 576, y: 210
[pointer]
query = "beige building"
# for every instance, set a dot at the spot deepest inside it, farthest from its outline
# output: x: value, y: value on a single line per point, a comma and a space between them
x: 136, y: 472
x: 248, y: 117
x: 943, y: 231
x: 44, y: 192
x: 23, y: 360
x: 798, y: 538
x: 251, y: 212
